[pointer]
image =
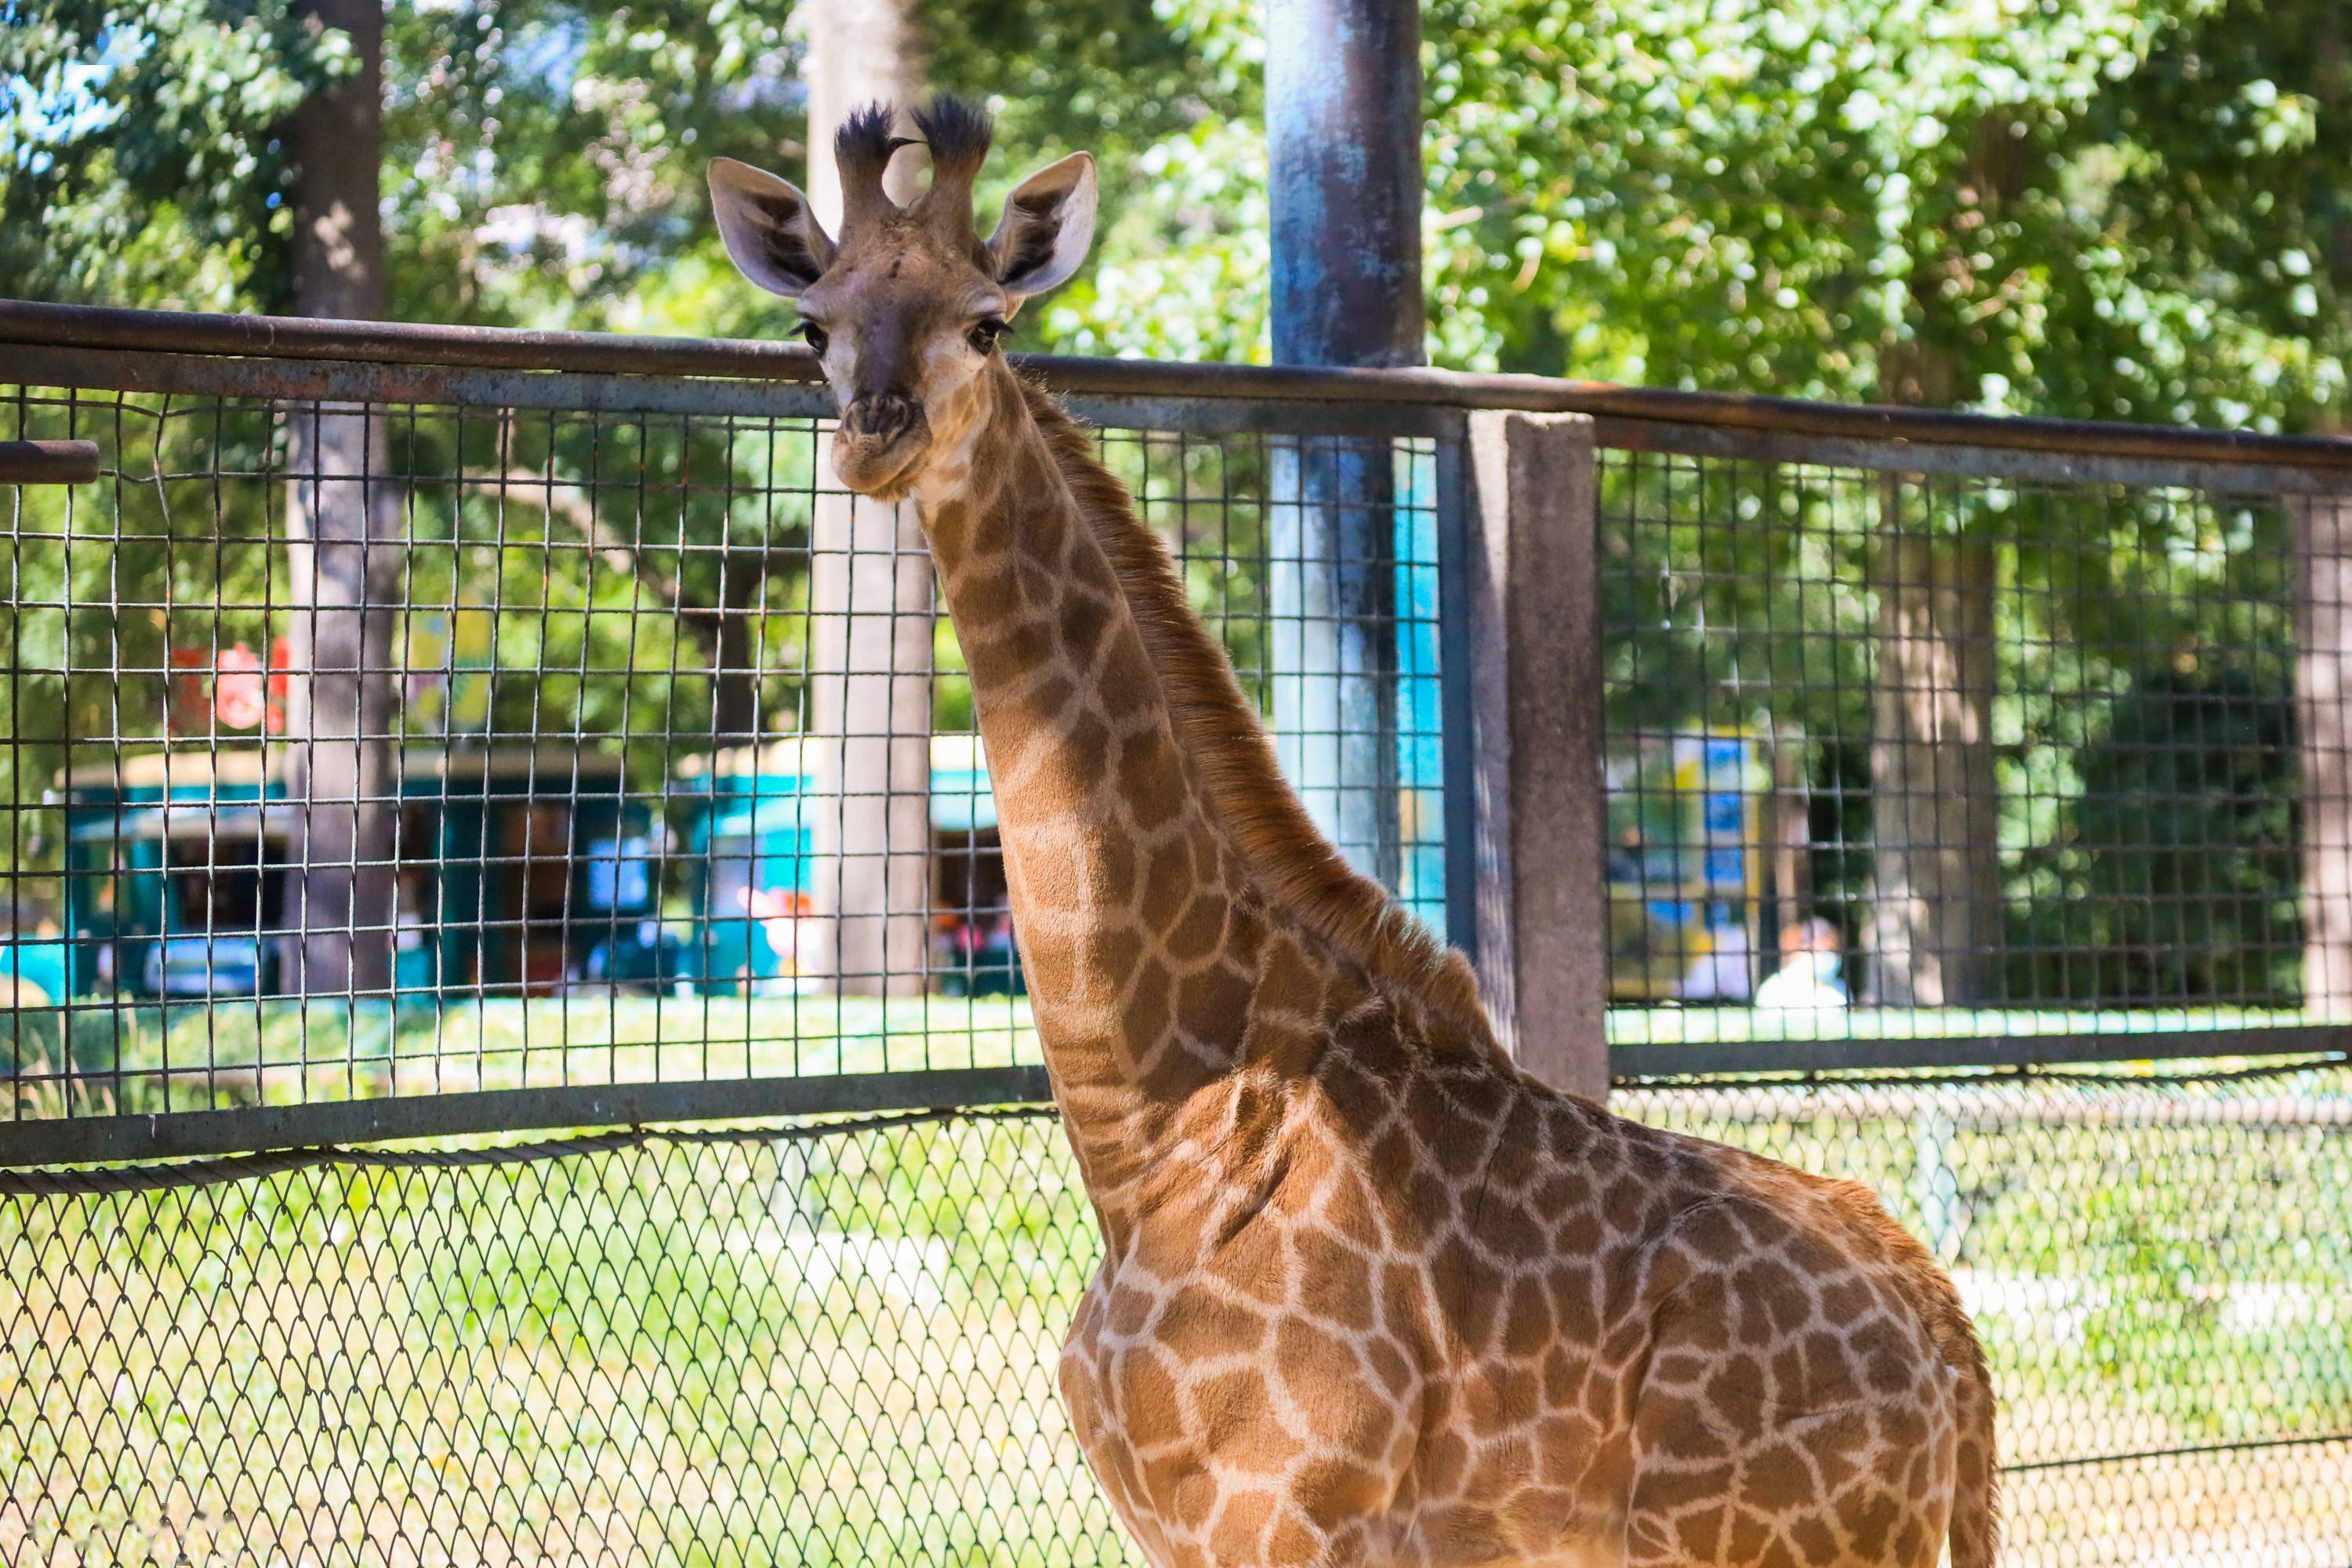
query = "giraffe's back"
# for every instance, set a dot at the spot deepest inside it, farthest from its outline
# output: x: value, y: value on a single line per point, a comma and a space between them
x: 1385, y: 1305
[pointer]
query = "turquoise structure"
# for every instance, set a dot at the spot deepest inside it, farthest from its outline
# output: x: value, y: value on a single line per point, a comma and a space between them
x: 519, y: 870
x: 747, y: 826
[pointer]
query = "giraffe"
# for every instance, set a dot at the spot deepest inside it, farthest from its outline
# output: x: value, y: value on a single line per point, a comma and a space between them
x: 1369, y: 1297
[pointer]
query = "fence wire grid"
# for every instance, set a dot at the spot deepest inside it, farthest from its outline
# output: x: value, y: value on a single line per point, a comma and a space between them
x: 1922, y: 757
x: 384, y: 749
x: 379, y: 735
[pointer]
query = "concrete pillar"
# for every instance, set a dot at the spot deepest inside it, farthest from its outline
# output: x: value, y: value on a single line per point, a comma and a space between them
x: 870, y: 605
x: 1536, y: 703
x: 2321, y: 556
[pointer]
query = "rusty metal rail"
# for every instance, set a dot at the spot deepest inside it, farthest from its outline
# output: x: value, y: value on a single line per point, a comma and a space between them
x: 48, y: 462
x: 1737, y: 424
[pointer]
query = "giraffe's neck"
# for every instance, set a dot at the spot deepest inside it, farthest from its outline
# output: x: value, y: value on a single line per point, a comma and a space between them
x: 1140, y: 946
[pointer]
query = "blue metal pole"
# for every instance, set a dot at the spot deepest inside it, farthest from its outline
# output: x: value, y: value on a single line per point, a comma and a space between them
x: 1343, y: 134
x: 1343, y: 129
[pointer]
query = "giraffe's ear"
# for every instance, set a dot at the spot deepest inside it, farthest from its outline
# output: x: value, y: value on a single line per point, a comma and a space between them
x: 774, y: 239
x: 1049, y: 221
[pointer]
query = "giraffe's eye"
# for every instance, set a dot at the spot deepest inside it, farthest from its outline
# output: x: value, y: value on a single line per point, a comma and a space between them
x: 985, y: 335
x: 814, y: 335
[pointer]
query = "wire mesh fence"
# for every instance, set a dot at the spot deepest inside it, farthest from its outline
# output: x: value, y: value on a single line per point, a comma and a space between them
x: 438, y: 743
x: 826, y: 1344
x: 528, y: 750
x: 1906, y: 757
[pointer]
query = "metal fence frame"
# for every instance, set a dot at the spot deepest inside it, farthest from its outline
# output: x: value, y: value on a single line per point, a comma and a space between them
x: 223, y: 357
x: 1520, y: 633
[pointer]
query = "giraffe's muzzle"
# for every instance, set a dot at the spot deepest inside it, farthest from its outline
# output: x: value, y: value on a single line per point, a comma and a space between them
x: 878, y: 442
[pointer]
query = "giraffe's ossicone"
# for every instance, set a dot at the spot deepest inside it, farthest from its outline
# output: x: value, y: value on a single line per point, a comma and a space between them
x: 1368, y: 1295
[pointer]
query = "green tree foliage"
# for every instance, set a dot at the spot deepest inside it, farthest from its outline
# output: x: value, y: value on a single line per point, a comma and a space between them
x: 2116, y: 209
x: 544, y: 158
x: 2172, y: 872
x: 137, y: 159
x: 1775, y: 197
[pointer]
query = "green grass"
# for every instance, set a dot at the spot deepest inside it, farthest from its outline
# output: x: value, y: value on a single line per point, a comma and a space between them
x: 827, y: 1353
x: 839, y: 1351
x: 145, y: 1060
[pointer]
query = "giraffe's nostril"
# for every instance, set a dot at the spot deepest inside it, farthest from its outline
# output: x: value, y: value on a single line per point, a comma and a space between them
x: 880, y: 418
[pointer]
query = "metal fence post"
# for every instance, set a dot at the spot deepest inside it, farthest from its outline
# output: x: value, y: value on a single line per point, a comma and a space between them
x: 2320, y: 583
x: 1344, y: 194
x: 1535, y: 713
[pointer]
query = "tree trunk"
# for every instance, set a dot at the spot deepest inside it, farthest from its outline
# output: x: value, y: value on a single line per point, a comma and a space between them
x: 2321, y: 559
x: 859, y: 52
x: 342, y: 522
x: 1934, y: 918
x: 1935, y: 921
x: 728, y: 631
x: 334, y: 142
x: 869, y: 602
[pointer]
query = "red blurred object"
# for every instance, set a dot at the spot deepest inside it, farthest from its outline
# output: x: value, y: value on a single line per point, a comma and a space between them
x: 281, y: 659
x: 214, y: 691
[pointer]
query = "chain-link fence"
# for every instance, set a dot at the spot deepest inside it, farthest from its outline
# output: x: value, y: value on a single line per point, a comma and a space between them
x: 423, y: 743
x: 835, y: 1343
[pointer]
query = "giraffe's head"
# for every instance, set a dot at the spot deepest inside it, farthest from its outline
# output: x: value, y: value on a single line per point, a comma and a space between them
x: 906, y: 306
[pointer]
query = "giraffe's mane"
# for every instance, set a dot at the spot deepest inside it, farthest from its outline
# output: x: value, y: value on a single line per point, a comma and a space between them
x: 1297, y: 870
